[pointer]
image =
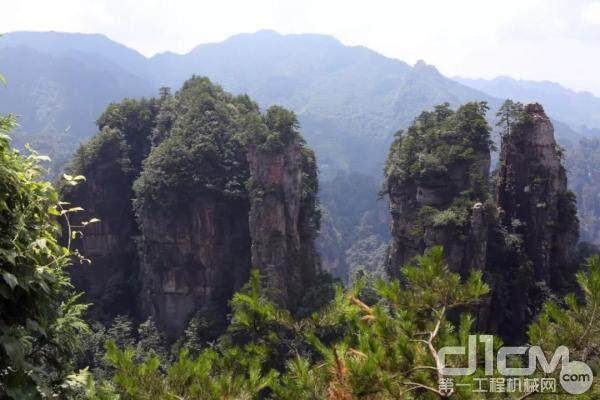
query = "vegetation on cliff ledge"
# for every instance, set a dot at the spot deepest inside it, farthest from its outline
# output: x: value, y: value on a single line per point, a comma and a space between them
x: 438, y: 140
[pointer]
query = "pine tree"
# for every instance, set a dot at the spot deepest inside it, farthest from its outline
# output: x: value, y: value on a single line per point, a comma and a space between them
x: 574, y: 323
x: 508, y: 115
x: 121, y: 331
x: 150, y: 341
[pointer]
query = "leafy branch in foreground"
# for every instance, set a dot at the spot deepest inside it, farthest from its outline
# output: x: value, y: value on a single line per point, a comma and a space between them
x: 40, y: 316
x: 574, y: 323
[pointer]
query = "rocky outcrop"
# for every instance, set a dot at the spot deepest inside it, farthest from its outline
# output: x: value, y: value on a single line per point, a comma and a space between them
x: 111, y: 161
x: 533, y: 197
x: 193, y: 258
x: 216, y: 190
x: 582, y: 163
x: 283, y: 215
x: 537, y: 219
x: 436, y: 177
x: 106, y: 194
x: 524, y: 240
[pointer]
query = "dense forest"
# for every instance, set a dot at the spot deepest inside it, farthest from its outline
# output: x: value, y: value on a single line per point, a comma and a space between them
x: 177, y: 258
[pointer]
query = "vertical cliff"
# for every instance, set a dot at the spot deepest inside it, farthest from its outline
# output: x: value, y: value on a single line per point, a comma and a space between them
x: 107, y: 195
x: 193, y: 259
x: 192, y: 206
x: 524, y: 237
x: 532, y: 194
x: 537, y: 216
x: 111, y: 161
x: 283, y: 216
x: 193, y: 189
x: 437, y: 173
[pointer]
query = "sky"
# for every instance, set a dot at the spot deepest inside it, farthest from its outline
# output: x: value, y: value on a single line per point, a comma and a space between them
x: 557, y: 40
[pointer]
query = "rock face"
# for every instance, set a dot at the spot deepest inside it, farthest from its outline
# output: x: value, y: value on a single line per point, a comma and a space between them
x: 584, y: 179
x: 537, y: 215
x: 216, y: 188
x: 354, y: 233
x: 436, y: 175
x: 109, y: 281
x: 111, y: 161
x: 532, y: 189
x: 525, y: 240
x: 193, y: 258
x: 283, y: 220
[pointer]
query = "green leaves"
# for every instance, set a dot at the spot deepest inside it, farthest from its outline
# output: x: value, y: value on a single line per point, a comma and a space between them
x: 572, y: 322
x: 354, y: 348
x: 431, y: 285
x: 40, y: 322
x: 387, y: 350
x: 10, y: 279
x: 438, y: 140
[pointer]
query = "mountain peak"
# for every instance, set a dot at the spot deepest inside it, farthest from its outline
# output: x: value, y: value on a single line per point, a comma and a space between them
x: 270, y: 34
x: 422, y: 66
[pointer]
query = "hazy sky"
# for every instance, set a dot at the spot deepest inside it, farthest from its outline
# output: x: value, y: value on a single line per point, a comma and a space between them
x: 556, y: 40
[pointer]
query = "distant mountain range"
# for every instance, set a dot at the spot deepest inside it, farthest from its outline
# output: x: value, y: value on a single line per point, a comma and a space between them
x: 580, y: 110
x: 350, y: 100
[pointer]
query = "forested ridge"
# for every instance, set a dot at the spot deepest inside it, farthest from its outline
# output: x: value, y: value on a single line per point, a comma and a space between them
x: 176, y: 258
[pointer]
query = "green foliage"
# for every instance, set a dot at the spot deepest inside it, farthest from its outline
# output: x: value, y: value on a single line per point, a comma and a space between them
x: 437, y: 141
x: 40, y: 317
x: 437, y: 171
x: 443, y: 155
x: 204, y: 150
x: 575, y: 323
x: 198, y: 332
x: 253, y: 315
x: 282, y: 129
x: 384, y: 348
x: 508, y: 115
x: 145, y: 340
x: 375, y: 340
x: 135, y: 120
x: 108, y: 145
x: 121, y: 331
x: 207, y: 377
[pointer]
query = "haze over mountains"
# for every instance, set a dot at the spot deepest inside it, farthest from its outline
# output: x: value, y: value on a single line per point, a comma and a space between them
x: 350, y: 100
x: 580, y: 110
